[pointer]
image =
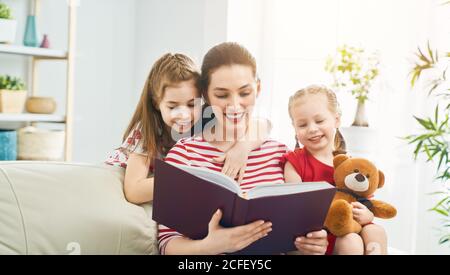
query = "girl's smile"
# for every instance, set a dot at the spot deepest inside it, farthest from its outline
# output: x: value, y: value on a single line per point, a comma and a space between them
x: 316, y: 139
x: 315, y: 124
x: 180, y: 107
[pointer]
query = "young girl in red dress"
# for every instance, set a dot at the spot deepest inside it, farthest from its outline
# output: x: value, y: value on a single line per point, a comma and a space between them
x: 315, y: 116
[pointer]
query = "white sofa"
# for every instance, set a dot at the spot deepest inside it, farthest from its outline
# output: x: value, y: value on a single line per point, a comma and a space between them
x: 69, y: 208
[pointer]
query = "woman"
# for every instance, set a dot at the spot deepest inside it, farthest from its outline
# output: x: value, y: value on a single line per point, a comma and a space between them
x: 230, y: 86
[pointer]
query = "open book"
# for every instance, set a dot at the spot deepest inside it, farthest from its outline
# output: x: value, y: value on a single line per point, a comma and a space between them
x: 186, y: 197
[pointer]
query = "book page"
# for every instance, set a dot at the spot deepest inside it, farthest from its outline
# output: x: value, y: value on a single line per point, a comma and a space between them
x: 268, y: 190
x: 212, y: 176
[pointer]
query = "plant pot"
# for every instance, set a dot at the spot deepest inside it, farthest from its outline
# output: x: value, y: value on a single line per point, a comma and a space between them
x: 40, y: 144
x: 41, y: 105
x: 7, y: 30
x: 12, y: 101
x: 360, y: 141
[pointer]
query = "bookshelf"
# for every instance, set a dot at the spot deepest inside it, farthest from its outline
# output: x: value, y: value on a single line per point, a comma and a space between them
x: 35, y: 56
x: 33, y: 52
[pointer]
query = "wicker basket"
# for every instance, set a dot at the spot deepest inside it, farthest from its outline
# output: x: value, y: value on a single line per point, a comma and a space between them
x: 40, y: 144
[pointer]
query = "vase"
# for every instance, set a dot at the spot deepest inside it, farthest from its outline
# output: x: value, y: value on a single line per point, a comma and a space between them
x: 45, y: 42
x: 30, y: 37
x: 360, y: 116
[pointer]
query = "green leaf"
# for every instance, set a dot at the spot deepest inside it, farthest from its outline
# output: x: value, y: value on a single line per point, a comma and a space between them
x: 416, y: 152
x: 437, y: 193
x: 443, y: 124
x: 422, y: 56
x: 11, y: 83
x: 440, y: 203
x: 427, y: 124
x: 436, y: 114
x: 416, y: 75
x: 439, y: 211
x: 444, y: 175
x: 5, y: 11
x: 435, y: 152
x: 430, y: 52
x: 444, y: 239
x: 443, y: 155
x: 436, y: 84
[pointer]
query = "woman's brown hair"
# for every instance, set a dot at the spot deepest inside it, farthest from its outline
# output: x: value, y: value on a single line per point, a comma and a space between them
x: 170, y: 69
x: 224, y: 54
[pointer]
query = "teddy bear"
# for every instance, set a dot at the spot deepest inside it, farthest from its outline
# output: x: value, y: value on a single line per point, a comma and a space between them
x: 356, y: 180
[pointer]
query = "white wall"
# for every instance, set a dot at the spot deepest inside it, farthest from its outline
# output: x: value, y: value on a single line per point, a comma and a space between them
x: 166, y: 26
x: 105, y: 73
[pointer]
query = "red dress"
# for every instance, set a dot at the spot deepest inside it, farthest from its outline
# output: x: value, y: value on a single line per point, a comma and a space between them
x: 311, y: 169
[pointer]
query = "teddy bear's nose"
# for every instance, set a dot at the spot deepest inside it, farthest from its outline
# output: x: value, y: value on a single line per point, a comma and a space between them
x: 360, y: 177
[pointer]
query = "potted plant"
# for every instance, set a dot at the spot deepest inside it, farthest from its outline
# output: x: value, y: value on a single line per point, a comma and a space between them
x: 354, y: 70
x: 434, y: 140
x: 7, y: 25
x: 12, y: 94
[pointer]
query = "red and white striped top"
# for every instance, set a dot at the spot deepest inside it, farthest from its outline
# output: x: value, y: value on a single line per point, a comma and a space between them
x: 265, y: 165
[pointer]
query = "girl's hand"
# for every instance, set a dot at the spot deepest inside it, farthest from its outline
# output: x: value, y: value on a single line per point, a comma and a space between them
x: 361, y: 213
x: 227, y: 240
x: 236, y: 157
x: 235, y: 161
x: 315, y: 243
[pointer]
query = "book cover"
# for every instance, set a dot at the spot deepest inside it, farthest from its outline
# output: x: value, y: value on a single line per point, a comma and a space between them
x: 185, y: 199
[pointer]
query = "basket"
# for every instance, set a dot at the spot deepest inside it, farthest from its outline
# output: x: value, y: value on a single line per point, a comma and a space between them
x: 40, y: 144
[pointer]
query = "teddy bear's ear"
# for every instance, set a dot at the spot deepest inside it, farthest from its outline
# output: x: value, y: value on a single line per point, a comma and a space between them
x: 380, y: 179
x: 339, y: 159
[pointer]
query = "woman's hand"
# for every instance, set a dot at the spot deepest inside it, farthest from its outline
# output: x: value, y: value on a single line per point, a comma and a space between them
x: 235, y: 161
x: 315, y: 243
x: 361, y: 213
x: 227, y: 240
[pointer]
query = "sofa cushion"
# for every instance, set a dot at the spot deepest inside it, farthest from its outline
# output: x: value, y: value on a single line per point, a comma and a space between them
x: 69, y: 208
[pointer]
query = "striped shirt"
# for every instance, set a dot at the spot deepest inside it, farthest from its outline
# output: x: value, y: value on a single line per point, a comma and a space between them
x: 264, y: 165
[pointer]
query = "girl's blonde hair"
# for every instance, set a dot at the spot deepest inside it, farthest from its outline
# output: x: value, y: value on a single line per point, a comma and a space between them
x: 333, y: 106
x: 170, y: 69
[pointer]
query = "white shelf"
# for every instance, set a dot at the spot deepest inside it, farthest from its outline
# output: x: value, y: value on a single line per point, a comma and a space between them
x: 31, y: 117
x: 16, y: 121
x: 32, y: 51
